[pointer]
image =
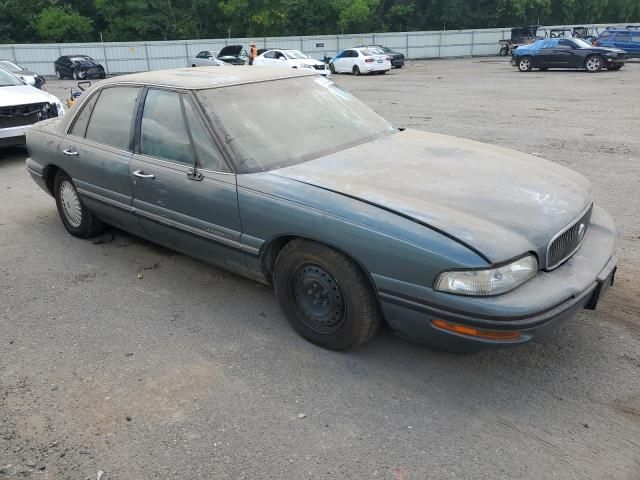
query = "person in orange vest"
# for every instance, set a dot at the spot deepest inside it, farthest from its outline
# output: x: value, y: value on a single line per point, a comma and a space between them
x: 253, y: 52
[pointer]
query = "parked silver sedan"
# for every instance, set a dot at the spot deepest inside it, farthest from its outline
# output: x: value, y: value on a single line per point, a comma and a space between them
x: 206, y: 58
x: 453, y: 242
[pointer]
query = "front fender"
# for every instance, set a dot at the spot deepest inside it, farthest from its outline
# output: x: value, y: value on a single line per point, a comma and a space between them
x: 386, y: 245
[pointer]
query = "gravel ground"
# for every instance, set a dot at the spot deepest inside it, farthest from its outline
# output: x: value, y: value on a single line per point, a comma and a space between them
x: 193, y: 373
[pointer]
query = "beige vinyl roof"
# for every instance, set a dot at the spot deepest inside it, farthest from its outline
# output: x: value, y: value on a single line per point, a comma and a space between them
x: 208, y: 77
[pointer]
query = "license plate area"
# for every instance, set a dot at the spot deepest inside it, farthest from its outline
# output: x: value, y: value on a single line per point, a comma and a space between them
x: 601, y: 288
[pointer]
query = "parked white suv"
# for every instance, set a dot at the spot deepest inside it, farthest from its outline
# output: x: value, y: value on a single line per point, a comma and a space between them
x: 360, y: 60
x: 291, y: 59
x: 21, y: 106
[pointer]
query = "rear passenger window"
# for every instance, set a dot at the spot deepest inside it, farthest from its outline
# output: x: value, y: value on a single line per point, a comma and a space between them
x: 110, y: 122
x: 79, y: 127
x: 635, y: 37
x: 163, y: 132
x: 623, y: 37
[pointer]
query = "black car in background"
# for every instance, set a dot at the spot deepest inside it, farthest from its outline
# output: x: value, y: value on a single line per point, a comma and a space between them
x: 396, y: 58
x: 567, y: 53
x: 78, y: 67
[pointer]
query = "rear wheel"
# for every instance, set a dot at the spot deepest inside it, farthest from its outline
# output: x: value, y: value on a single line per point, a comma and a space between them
x: 356, y: 70
x: 76, y: 218
x: 193, y: 65
x: 325, y: 296
x: 593, y: 64
x: 524, y: 64
x: 504, y: 51
x: 59, y: 75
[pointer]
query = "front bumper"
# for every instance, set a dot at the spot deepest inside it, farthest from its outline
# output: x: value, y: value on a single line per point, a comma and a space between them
x: 533, y: 309
x: 13, y: 135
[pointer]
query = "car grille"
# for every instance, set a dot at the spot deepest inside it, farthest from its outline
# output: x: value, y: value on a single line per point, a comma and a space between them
x: 319, y: 67
x: 20, y: 115
x: 567, y: 242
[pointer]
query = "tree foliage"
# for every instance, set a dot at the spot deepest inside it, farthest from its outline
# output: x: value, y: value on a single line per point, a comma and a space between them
x: 125, y: 20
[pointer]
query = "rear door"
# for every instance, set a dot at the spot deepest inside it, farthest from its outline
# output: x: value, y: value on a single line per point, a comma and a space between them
x: 634, y: 45
x: 96, y: 152
x: 184, y: 192
x: 623, y: 40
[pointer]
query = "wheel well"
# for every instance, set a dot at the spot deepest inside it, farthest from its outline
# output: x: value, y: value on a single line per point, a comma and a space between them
x: 49, y: 175
x: 272, y: 249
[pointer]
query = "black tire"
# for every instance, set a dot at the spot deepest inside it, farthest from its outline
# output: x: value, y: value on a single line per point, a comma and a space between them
x: 325, y: 296
x: 400, y: 66
x: 332, y: 68
x: 59, y: 75
x: 593, y: 63
x: 193, y: 65
x: 74, y: 75
x: 504, y: 51
x: 103, y: 76
x: 89, y: 225
x: 356, y: 70
x: 525, y: 64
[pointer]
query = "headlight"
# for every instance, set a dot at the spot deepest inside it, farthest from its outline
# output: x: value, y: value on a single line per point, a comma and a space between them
x: 491, y: 281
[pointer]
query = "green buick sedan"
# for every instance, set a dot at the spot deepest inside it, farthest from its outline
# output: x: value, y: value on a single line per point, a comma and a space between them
x: 281, y: 176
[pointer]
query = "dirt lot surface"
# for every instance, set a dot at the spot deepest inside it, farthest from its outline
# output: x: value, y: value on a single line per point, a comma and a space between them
x: 193, y: 373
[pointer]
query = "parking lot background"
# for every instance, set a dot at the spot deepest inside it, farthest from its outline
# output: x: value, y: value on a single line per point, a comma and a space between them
x: 191, y: 372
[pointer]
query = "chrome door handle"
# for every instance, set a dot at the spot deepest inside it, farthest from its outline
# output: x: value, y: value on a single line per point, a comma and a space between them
x: 71, y: 152
x: 141, y: 174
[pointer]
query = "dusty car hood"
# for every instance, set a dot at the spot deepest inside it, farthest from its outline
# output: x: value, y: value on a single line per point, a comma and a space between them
x: 23, y: 94
x: 500, y: 202
x: 230, y: 51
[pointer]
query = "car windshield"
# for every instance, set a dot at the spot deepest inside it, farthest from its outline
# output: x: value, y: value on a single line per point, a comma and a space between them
x: 295, y: 54
x: 581, y: 43
x: 81, y: 59
x: 284, y: 122
x: 8, y: 79
x: 12, y: 67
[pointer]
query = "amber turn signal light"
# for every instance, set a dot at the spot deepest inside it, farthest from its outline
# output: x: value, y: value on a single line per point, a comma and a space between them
x: 476, y: 332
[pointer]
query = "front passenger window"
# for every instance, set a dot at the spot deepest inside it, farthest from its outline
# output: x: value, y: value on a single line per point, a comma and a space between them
x: 163, y: 133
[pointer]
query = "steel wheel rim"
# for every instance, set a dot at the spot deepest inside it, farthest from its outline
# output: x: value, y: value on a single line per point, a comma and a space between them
x: 70, y: 204
x: 524, y: 64
x: 593, y: 64
x: 318, y: 298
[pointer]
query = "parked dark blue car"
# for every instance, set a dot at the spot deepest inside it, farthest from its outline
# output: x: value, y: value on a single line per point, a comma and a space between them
x: 624, y: 38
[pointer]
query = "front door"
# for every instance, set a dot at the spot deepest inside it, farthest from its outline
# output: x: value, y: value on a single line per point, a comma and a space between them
x: 183, y: 191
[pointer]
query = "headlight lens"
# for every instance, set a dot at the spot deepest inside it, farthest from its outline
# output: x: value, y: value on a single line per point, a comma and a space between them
x: 492, y: 281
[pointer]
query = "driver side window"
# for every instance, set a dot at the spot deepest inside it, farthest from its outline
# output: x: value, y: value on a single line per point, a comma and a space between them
x: 566, y: 44
x: 163, y: 132
x: 270, y: 54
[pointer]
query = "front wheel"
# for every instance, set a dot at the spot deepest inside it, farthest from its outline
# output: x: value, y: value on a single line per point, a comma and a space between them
x: 593, y: 64
x: 332, y: 68
x: 76, y: 218
x: 325, y: 296
x: 524, y: 64
x: 356, y: 70
x: 504, y: 51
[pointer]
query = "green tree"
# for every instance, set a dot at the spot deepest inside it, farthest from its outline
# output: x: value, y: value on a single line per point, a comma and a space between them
x: 61, y: 24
